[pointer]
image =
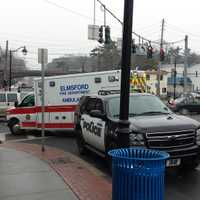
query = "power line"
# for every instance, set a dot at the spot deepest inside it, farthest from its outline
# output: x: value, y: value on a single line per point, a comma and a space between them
x: 180, y: 30
x: 67, y: 9
x: 136, y: 34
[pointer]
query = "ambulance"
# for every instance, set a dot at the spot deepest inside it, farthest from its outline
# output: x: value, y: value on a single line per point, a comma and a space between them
x: 62, y: 94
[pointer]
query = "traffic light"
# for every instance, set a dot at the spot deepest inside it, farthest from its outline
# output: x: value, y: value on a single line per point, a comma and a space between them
x: 4, y: 83
x: 162, y: 55
x: 149, y: 51
x: 196, y: 73
x: 100, y: 40
x: 107, y: 35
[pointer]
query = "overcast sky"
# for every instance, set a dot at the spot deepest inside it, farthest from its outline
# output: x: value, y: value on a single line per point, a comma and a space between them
x: 63, y: 28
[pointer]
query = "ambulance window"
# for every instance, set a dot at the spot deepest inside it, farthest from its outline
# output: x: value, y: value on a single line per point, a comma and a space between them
x: 12, y: 97
x: 97, y: 80
x: 3, y: 97
x: 28, y: 101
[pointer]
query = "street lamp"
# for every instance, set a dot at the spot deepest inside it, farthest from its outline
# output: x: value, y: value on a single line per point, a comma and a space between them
x: 24, y: 51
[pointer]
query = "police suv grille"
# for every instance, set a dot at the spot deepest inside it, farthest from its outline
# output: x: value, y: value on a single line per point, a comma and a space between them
x: 175, y: 139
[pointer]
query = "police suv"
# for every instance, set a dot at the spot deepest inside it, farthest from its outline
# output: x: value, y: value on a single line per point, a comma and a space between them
x: 152, y: 125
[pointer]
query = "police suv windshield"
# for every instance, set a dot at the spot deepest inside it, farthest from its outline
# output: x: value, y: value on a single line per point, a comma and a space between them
x: 139, y: 105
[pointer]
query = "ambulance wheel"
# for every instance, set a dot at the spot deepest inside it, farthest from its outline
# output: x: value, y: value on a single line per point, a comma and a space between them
x: 14, y: 126
x: 80, y: 141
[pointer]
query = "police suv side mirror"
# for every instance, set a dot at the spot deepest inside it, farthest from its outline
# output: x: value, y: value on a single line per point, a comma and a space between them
x: 97, y: 114
x: 16, y: 103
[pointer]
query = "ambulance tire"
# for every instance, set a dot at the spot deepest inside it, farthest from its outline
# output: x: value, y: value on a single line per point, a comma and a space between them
x: 80, y: 141
x: 12, y: 126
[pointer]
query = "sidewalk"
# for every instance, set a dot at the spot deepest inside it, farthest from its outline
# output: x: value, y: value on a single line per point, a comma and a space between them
x: 26, y: 173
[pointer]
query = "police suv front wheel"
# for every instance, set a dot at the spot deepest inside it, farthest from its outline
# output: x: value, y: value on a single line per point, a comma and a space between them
x: 80, y: 142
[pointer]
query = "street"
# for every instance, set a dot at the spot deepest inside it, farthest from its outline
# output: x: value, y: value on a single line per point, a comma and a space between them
x: 179, y: 185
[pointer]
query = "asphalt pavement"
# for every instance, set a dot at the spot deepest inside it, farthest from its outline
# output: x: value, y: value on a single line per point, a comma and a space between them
x: 179, y: 185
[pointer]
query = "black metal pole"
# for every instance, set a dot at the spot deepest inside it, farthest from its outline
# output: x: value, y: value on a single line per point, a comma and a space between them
x: 10, y: 70
x: 175, y: 78
x: 125, y: 73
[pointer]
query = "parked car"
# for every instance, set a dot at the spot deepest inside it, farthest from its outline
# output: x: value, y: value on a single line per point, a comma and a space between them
x: 7, y: 100
x: 152, y: 125
x: 185, y: 105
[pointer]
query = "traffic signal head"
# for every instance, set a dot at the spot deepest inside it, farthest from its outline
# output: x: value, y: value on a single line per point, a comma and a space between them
x: 100, y: 40
x: 149, y: 52
x: 162, y: 55
x: 107, y: 35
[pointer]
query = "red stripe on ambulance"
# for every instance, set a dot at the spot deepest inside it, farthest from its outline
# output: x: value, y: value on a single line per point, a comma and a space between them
x: 28, y: 124
x: 57, y: 125
x: 32, y: 110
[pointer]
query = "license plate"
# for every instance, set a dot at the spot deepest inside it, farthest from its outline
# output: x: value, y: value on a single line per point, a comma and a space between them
x: 173, y: 162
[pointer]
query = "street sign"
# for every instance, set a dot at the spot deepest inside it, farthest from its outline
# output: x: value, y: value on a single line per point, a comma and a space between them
x: 42, y: 56
x: 93, y: 32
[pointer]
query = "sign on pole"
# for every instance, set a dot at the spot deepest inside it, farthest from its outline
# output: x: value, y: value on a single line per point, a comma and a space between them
x: 43, y: 56
x: 43, y: 59
x: 93, y: 32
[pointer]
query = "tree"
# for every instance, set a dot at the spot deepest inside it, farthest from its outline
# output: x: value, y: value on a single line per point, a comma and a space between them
x: 106, y: 57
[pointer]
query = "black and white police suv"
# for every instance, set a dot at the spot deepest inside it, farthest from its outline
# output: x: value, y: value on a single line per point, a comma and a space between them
x: 152, y: 125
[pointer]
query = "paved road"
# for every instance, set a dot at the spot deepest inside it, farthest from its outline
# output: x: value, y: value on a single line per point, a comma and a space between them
x: 184, y: 186
x: 178, y: 185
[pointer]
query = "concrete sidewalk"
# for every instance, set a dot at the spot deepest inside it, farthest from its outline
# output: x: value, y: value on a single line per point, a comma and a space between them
x: 25, y: 177
x: 27, y: 173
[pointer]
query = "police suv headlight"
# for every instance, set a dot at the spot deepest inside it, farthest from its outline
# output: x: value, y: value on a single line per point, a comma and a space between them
x: 198, y: 136
x: 136, y: 139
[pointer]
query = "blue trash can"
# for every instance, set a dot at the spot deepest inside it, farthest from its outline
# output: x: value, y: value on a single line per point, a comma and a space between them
x: 138, y: 174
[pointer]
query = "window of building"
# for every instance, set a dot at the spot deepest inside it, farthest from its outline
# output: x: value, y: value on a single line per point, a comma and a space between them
x: 164, y: 90
x: 148, y: 76
x: 3, y: 97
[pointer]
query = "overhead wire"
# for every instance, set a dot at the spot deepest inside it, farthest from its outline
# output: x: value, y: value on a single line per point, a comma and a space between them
x: 136, y: 34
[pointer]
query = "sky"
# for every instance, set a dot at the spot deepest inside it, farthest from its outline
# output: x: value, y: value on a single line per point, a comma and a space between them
x: 61, y: 26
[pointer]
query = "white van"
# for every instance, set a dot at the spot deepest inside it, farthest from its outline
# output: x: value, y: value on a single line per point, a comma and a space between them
x: 7, y: 100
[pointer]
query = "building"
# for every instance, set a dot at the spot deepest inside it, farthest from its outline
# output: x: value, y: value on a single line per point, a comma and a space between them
x: 193, y: 74
x: 152, y: 81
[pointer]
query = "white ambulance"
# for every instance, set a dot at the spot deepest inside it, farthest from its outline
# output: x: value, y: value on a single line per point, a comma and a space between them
x: 62, y: 93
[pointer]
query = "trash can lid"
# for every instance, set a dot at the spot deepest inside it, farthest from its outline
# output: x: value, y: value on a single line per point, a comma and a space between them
x: 138, y: 154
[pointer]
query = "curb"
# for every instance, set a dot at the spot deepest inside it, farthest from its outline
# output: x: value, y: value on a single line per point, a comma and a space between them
x: 86, y: 182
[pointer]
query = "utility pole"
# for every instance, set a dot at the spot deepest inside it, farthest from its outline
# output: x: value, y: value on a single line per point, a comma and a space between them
x: 160, y: 63
x: 94, y: 17
x: 5, y: 67
x: 123, y: 136
x: 186, y: 63
x: 175, y: 77
x: 10, y: 70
